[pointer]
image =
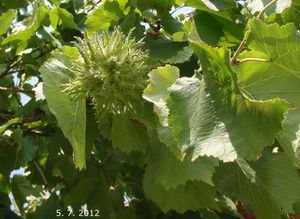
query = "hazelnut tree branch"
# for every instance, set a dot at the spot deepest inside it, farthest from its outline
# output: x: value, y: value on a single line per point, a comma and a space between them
x: 245, y: 39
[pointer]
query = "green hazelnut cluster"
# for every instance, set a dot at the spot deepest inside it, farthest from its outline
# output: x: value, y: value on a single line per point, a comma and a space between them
x: 111, y: 71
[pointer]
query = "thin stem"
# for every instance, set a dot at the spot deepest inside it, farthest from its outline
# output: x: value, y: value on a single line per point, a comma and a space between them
x: 14, y: 90
x: 252, y: 59
x: 42, y: 175
x: 261, y: 13
x: 177, y: 9
x: 244, y: 41
x: 239, y: 50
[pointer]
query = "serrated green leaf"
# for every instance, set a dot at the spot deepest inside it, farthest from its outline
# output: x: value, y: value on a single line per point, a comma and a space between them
x: 101, y: 19
x: 6, y: 19
x: 277, y: 175
x: 193, y: 195
x: 170, y: 172
x: 280, y: 48
x: 128, y: 135
x: 233, y: 183
x: 289, y: 136
x: 27, y: 151
x: 71, y: 115
x: 292, y: 14
x: 157, y: 92
x: 163, y: 49
x: 212, y: 117
x: 181, y: 56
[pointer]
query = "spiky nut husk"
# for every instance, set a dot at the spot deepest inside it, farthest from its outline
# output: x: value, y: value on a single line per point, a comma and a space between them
x: 111, y: 71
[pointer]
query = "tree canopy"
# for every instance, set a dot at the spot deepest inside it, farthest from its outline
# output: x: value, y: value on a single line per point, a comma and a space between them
x: 134, y: 109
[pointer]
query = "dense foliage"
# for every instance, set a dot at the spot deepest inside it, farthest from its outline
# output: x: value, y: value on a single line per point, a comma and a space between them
x: 150, y: 109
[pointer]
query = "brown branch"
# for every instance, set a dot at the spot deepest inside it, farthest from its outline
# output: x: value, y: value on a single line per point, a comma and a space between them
x: 15, y: 90
x: 244, y: 41
x: 39, y: 169
x: 37, y: 116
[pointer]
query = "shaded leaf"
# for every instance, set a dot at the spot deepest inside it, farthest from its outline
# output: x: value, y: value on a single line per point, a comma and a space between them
x: 128, y: 134
x: 193, y: 195
x: 102, y: 18
x: 171, y: 172
x: 71, y: 115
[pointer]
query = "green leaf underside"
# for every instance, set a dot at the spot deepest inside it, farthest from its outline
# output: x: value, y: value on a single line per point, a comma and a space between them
x: 157, y: 90
x: 71, y: 115
x: 193, y: 195
x: 157, y: 93
x: 128, y: 135
x: 278, y: 77
x: 171, y: 172
x: 230, y: 124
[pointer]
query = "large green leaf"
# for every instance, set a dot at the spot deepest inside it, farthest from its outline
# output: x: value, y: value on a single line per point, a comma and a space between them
x: 279, y: 74
x: 128, y: 134
x: 71, y: 115
x: 261, y: 185
x: 277, y: 175
x: 233, y: 183
x: 212, y: 117
x: 171, y: 172
x: 6, y: 19
x: 193, y: 195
